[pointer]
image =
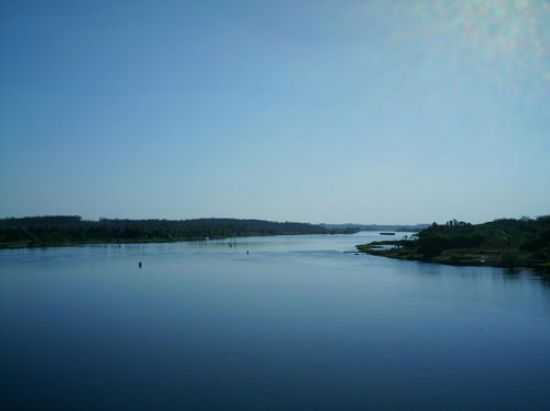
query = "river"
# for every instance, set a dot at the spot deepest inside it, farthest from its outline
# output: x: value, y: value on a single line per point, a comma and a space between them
x: 267, y: 323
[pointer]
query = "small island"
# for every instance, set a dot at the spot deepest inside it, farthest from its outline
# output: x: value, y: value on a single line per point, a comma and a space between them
x: 500, y: 243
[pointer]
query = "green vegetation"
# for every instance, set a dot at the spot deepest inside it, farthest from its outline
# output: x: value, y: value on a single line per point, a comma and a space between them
x: 502, y: 243
x: 378, y: 227
x: 68, y: 230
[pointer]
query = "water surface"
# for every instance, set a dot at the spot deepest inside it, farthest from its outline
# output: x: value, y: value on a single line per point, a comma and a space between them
x: 298, y: 323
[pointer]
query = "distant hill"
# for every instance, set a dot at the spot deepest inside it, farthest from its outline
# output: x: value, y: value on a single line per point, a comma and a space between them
x: 504, y: 242
x: 67, y: 230
x: 377, y: 227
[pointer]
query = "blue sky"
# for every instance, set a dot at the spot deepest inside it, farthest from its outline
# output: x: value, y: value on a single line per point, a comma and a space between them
x: 321, y: 111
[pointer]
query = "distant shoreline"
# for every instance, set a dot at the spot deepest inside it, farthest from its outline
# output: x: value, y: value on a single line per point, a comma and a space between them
x: 30, y: 245
x: 73, y: 230
x: 59, y: 231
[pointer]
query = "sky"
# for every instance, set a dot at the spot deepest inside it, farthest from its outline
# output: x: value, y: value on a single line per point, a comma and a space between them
x: 321, y: 111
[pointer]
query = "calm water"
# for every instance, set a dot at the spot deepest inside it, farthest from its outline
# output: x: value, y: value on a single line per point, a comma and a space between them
x: 299, y: 323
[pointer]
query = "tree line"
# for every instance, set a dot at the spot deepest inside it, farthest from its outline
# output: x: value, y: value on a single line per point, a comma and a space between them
x: 57, y: 230
x: 517, y: 240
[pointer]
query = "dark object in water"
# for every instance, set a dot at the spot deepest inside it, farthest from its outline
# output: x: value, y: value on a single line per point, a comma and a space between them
x: 387, y: 233
x: 139, y: 264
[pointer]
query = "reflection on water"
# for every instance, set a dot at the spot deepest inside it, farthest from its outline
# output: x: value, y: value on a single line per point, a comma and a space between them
x: 300, y: 322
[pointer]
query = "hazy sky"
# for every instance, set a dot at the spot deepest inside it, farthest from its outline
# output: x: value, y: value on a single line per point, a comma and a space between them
x: 322, y: 111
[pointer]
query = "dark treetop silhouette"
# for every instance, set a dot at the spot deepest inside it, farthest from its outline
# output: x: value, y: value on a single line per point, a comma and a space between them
x: 68, y: 230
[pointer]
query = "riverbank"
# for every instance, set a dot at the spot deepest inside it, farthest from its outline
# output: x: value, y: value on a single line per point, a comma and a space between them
x: 56, y: 231
x: 457, y: 257
x: 392, y: 249
x: 30, y: 244
x: 501, y: 243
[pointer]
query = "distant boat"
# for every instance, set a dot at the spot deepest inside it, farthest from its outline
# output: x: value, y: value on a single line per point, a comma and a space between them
x: 387, y: 233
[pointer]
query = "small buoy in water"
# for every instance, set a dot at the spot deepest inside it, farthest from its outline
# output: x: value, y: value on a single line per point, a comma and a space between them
x: 139, y: 264
x: 246, y: 251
